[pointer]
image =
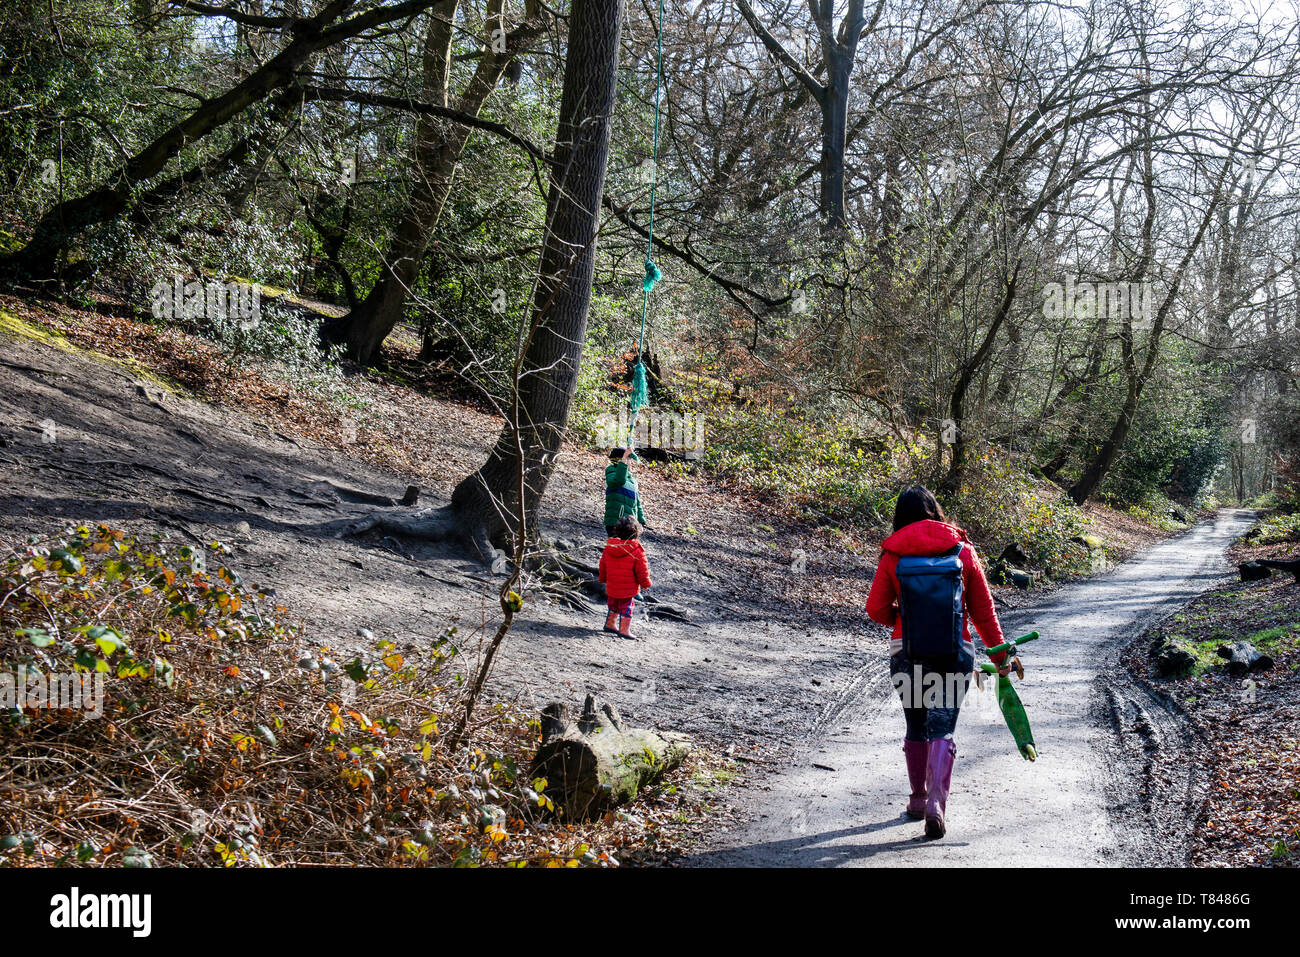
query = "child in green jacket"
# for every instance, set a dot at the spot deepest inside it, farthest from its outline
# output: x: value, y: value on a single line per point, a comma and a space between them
x: 621, y: 495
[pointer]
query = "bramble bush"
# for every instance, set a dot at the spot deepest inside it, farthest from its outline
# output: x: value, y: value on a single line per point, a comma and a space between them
x: 1279, y: 528
x: 821, y: 469
x: 224, y: 741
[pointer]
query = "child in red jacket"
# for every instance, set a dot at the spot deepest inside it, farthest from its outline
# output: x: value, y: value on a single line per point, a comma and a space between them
x: 625, y: 571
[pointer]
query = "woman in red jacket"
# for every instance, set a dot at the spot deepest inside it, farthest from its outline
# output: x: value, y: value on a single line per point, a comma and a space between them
x: 625, y: 571
x: 931, y: 688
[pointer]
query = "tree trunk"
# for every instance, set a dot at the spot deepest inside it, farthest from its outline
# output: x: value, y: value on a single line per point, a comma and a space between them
x: 436, y: 155
x: 546, y: 370
x: 835, y: 123
x: 839, y: 50
x: 1101, y: 463
x: 595, y: 763
x: 1287, y: 565
x: 951, y: 482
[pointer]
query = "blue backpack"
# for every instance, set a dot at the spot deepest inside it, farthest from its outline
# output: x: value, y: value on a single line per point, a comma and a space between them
x: 930, y: 604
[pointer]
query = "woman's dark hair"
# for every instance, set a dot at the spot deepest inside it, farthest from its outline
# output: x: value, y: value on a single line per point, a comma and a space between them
x: 616, y: 454
x: 627, y: 528
x: 915, y: 505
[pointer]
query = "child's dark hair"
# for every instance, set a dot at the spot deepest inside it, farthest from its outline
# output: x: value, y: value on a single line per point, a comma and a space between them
x: 627, y: 528
x: 917, y: 504
x: 616, y: 454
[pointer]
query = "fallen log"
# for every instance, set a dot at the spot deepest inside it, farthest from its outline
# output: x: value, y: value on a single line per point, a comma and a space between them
x: 1244, y: 658
x: 1252, y: 571
x: 1292, y: 566
x: 593, y: 763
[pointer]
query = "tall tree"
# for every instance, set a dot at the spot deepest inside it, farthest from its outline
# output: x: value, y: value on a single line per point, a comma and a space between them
x: 839, y: 49
x: 501, y: 498
x: 436, y: 152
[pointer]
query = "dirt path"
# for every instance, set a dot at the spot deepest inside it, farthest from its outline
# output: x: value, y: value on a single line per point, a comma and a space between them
x: 1081, y: 803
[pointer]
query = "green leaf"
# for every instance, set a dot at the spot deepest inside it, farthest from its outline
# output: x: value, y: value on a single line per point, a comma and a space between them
x: 136, y: 857
x: 109, y: 642
x: 356, y: 670
x: 89, y: 661
x: 67, y: 561
x: 130, y: 668
x: 36, y: 636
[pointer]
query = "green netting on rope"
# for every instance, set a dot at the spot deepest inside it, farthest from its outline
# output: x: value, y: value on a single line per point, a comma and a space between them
x: 652, y: 275
x: 640, y: 396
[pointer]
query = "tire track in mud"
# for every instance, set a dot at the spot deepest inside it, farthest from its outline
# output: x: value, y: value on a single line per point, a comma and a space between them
x: 1152, y: 791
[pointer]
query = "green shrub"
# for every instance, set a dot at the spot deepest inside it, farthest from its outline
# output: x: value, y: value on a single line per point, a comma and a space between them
x: 1001, y: 503
x: 1279, y: 528
x: 822, y: 469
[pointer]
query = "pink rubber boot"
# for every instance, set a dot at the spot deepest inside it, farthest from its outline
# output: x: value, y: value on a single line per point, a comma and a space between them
x: 940, y: 755
x: 915, y: 752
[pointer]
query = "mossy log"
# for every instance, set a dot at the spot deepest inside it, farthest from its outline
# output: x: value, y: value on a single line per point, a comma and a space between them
x: 1242, y: 658
x: 594, y: 763
x: 1253, y: 571
x: 1291, y: 565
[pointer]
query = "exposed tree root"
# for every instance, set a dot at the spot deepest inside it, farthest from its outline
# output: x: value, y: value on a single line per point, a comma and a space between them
x: 562, y: 577
x: 432, y: 525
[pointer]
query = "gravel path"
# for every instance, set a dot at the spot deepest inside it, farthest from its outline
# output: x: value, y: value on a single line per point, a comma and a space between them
x: 840, y: 802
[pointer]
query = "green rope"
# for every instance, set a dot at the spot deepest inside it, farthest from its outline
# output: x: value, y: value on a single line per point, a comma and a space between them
x: 640, y: 396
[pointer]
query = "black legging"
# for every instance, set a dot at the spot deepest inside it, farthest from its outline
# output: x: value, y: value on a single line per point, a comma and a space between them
x: 931, y: 704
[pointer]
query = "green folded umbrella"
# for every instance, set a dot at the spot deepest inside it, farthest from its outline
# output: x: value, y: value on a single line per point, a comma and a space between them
x: 1012, y: 710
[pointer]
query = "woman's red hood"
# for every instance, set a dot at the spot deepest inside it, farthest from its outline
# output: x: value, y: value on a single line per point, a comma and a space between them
x: 926, y: 537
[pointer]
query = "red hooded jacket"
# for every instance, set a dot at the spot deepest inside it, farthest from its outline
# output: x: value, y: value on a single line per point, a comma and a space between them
x: 623, y: 568
x: 929, y: 537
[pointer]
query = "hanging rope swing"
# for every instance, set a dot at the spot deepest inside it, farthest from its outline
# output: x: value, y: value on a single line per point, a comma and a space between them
x: 640, y: 395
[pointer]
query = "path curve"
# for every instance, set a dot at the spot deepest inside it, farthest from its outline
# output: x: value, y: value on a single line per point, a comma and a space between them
x: 1003, y: 811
